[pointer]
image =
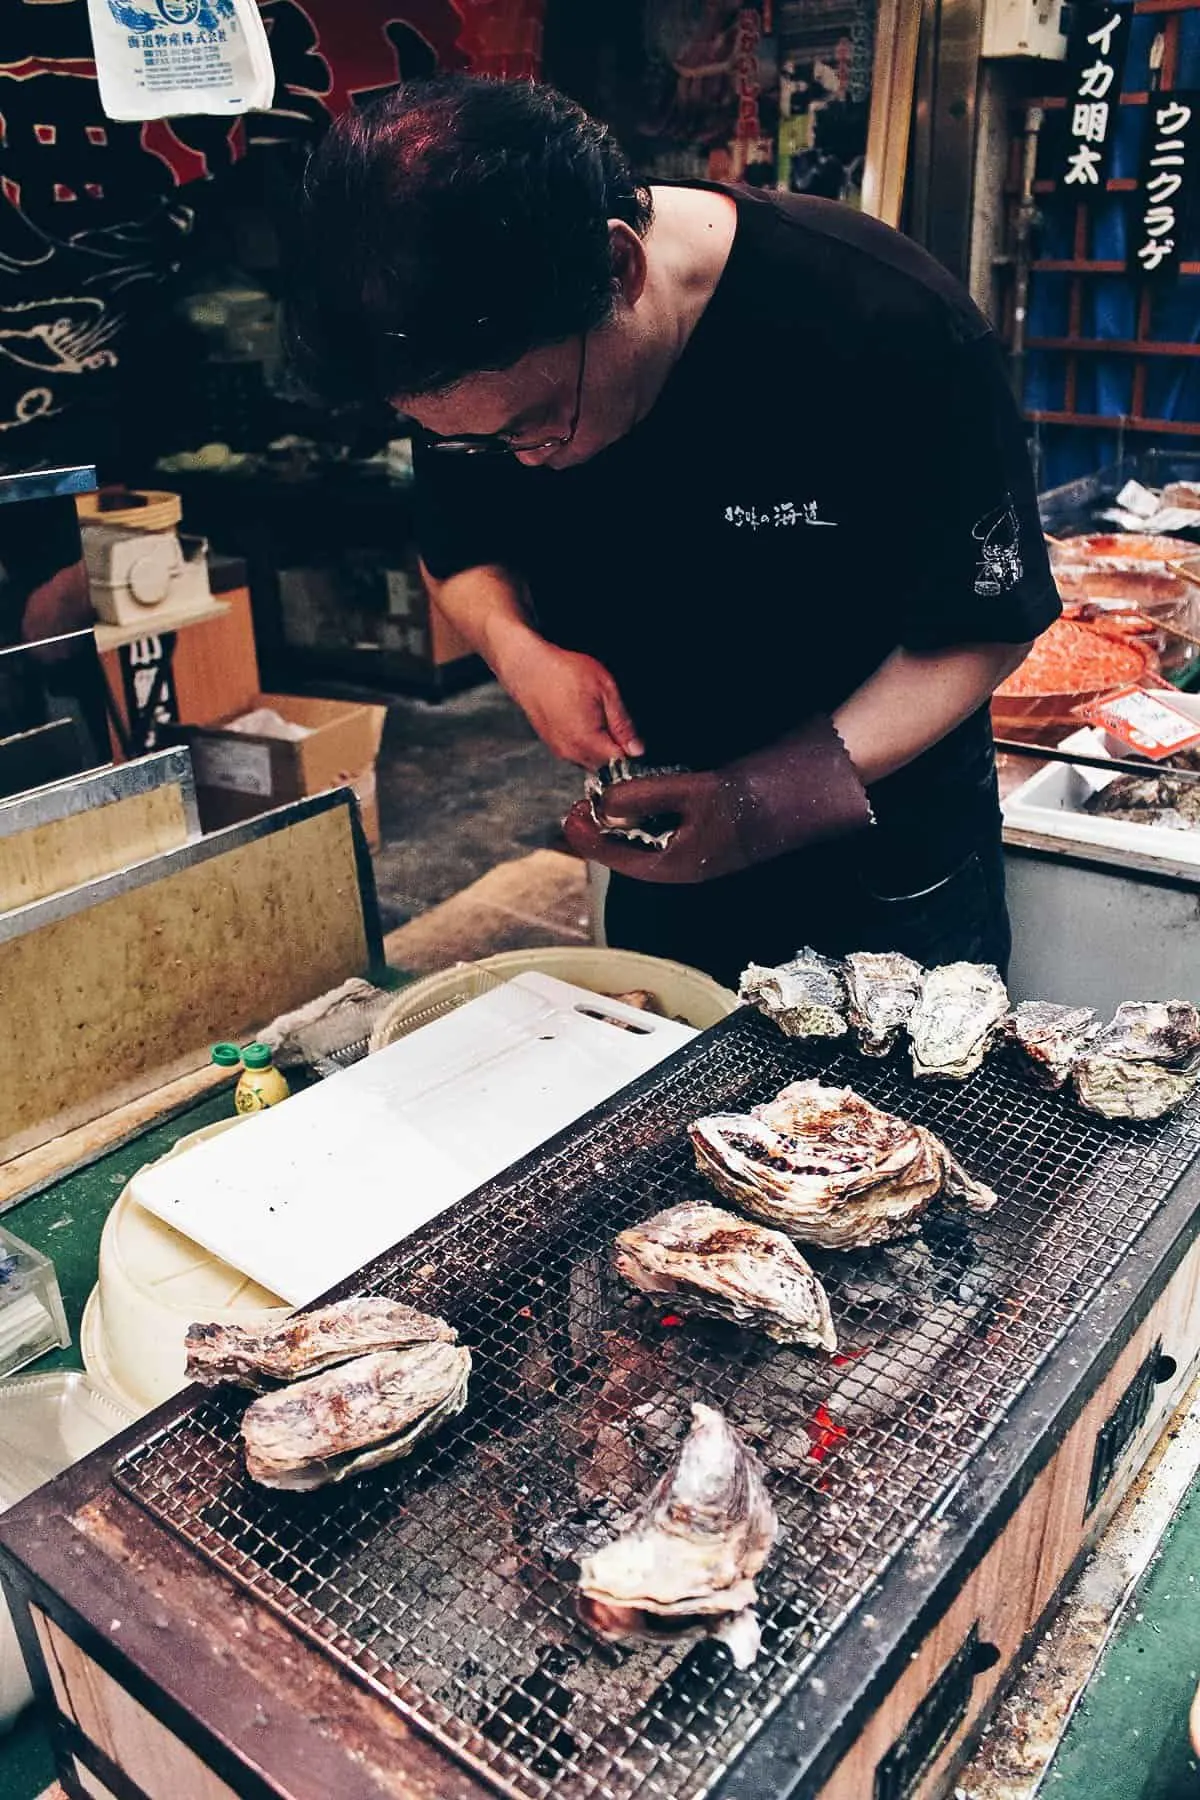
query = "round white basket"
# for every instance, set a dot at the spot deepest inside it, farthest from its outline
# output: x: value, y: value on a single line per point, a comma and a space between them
x: 678, y: 991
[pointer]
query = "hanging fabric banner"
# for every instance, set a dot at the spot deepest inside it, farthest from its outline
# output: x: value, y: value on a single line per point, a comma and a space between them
x: 1163, y: 204
x: 1095, y: 63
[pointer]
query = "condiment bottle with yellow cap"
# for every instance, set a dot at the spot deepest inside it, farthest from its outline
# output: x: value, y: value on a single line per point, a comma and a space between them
x: 260, y: 1083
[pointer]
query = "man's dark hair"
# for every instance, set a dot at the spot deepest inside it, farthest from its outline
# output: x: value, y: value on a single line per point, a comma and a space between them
x: 451, y: 228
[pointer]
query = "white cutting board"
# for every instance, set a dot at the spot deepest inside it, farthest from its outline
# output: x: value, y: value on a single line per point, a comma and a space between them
x: 302, y: 1195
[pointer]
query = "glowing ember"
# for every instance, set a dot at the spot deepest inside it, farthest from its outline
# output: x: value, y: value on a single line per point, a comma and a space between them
x: 826, y: 1434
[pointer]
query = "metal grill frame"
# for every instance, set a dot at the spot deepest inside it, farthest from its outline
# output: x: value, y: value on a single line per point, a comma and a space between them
x: 1175, y: 1143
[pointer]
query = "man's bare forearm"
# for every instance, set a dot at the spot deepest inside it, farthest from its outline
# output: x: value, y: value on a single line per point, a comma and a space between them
x: 912, y: 702
x: 487, y: 606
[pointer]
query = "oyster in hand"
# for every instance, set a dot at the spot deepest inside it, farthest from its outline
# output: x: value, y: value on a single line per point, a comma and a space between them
x: 805, y: 997
x: 684, y: 1561
x: 1144, y: 1064
x: 355, y: 1417
x: 883, y: 989
x: 830, y: 1168
x: 260, y: 1357
x: 1052, y: 1037
x: 961, y: 1010
x: 711, y: 1262
x: 653, y: 833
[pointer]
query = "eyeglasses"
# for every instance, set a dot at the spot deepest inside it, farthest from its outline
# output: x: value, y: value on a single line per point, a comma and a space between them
x: 500, y: 444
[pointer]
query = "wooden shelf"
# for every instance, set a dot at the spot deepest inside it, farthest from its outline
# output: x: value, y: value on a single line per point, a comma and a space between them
x: 1140, y: 353
x: 1116, y: 184
x: 1056, y: 102
x: 1115, y: 422
x: 1112, y: 346
x: 158, y: 622
x: 1076, y: 265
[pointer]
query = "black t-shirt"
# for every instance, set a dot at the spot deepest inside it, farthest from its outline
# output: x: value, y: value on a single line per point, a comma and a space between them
x: 834, y: 468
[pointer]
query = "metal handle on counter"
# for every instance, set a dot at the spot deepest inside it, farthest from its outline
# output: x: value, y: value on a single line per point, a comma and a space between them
x: 1111, y: 765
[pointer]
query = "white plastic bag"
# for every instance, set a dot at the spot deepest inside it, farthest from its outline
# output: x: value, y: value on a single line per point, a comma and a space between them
x: 157, y: 59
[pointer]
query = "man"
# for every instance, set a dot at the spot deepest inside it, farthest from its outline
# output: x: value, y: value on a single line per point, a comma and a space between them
x: 729, y: 479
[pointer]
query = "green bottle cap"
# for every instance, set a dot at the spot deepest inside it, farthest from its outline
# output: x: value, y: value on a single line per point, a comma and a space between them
x: 226, y: 1056
x: 257, y: 1056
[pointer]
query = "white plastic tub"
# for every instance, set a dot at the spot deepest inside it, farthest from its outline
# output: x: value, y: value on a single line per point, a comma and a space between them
x: 1051, y: 802
x: 47, y: 1422
x: 154, y: 1282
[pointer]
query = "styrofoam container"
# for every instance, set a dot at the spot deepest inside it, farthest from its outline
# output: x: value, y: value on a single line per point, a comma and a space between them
x: 47, y: 1422
x: 1052, y: 801
x: 153, y: 1283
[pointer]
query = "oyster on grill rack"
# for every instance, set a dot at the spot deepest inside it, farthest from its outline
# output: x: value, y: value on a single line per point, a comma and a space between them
x: 882, y: 990
x: 830, y: 1168
x: 354, y: 1417
x: 684, y: 1561
x: 1145, y: 1063
x: 709, y: 1261
x: 260, y: 1357
x: 1052, y: 1037
x: 654, y: 833
x: 962, y: 1008
x: 805, y: 997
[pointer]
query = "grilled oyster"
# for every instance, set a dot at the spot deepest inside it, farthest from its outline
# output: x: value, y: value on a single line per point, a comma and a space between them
x: 1145, y: 1063
x: 806, y: 997
x: 354, y: 1417
x: 962, y: 1008
x: 882, y: 989
x: 1052, y: 1037
x: 686, y: 1558
x: 261, y: 1358
x: 830, y: 1168
x: 710, y: 1261
x: 654, y: 833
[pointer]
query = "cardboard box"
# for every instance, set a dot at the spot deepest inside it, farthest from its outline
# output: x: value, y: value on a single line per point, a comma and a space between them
x: 239, y: 774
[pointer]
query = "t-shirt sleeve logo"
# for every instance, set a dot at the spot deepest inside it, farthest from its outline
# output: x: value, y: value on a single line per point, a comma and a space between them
x: 998, y: 535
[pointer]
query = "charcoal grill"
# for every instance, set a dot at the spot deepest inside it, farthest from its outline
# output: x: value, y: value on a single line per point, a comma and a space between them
x: 445, y: 1584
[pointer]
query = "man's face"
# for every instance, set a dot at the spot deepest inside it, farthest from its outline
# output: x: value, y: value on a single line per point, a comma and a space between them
x: 565, y: 402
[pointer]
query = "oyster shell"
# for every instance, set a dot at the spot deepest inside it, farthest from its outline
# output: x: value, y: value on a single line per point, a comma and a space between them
x: 1145, y: 1063
x: 1052, y: 1037
x: 805, y: 997
x: 962, y: 1008
x: 882, y: 990
x: 712, y: 1262
x: 262, y: 1357
x: 354, y: 1417
x: 654, y: 833
x: 685, y: 1559
x: 830, y: 1168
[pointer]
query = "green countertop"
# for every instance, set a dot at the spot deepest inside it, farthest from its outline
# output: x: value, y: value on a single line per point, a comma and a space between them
x: 65, y: 1223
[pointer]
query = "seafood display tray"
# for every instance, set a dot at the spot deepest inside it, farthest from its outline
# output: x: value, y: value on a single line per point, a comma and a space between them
x: 445, y: 1584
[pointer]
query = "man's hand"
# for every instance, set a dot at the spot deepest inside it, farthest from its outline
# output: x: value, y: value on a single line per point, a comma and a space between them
x: 704, y: 845
x: 802, y: 790
x: 571, y: 701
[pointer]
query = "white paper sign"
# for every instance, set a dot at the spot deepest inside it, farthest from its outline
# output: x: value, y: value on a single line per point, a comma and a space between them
x: 242, y: 768
x: 159, y: 58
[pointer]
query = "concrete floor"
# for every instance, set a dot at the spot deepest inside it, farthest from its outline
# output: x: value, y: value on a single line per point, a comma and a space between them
x: 463, y: 786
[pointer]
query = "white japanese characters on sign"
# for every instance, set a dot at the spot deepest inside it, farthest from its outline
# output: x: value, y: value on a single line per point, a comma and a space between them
x: 1096, y: 56
x: 1168, y: 161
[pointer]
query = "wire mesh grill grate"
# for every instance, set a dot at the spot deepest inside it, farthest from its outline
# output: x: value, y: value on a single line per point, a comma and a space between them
x: 446, y: 1582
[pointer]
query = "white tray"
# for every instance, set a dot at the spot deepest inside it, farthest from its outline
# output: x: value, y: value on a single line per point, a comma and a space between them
x: 1052, y: 801
x: 302, y: 1195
